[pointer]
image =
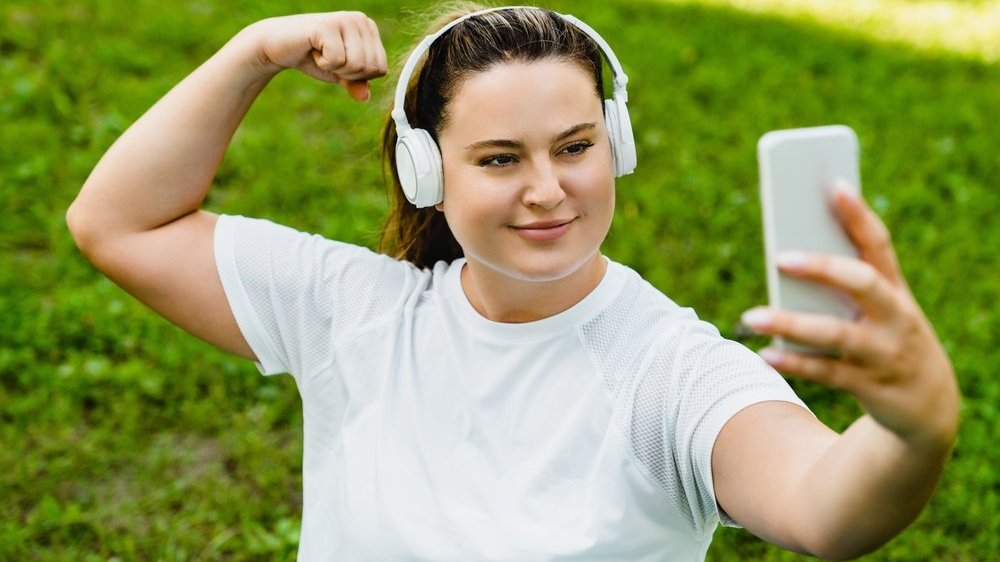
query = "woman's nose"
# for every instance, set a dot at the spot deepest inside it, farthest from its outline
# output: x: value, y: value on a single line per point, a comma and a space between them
x: 542, y: 187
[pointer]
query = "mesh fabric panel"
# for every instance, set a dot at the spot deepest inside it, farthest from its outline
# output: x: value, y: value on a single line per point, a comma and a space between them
x: 308, y: 292
x: 674, y: 381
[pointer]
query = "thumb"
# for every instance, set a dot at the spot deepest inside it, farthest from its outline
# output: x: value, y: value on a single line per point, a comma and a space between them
x: 358, y: 90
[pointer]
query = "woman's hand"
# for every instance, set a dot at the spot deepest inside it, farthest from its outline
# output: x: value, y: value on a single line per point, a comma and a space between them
x: 890, y: 358
x: 337, y: 47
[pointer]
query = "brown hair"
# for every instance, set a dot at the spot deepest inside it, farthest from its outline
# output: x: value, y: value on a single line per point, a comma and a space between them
x: 479, y: 43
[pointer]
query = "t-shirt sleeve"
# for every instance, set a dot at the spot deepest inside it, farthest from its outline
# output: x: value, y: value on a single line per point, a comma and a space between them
x: 674, y: 382
x: 715, y: 378
x: 294, y: 295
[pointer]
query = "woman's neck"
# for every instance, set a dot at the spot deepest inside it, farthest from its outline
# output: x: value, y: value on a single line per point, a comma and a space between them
x: 501, y: 298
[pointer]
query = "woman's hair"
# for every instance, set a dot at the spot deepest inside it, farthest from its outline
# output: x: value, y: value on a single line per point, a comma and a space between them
x: 421, y: 235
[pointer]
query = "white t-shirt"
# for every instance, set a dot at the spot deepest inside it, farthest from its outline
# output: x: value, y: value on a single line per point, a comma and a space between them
x: 432, y: 433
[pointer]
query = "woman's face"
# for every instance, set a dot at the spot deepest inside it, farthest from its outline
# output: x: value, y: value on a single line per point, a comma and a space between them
x: 528, y: 183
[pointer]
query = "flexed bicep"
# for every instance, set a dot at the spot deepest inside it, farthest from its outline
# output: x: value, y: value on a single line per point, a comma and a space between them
x: 172, y: 269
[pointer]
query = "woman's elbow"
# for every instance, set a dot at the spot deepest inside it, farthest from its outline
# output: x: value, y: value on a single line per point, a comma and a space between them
x: 80, y: 226
x: 843, y: 548
x: 90, y: 232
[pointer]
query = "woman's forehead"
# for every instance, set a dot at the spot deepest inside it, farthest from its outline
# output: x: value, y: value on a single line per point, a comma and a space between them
x: 511, y: 97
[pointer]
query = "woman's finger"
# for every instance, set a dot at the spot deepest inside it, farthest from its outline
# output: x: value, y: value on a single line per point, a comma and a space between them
x: 860, y: 280
x: 852, y: 340
x: 373, y: 46
x: 356, y: 67
x: 381, y: 64
x: 830, y: 372
x: 365, y: 60
x: 329, y: 54
x: 868, y: 232
x: 358, y: 90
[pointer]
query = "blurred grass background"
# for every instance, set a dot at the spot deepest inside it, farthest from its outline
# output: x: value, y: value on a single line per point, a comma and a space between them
x: 122, y: 438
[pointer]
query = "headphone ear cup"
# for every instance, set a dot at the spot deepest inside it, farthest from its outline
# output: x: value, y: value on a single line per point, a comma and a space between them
x: 418, y: 164
x: 619, y: 129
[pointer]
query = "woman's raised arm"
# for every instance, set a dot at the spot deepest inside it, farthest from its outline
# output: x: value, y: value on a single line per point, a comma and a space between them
x: 137, y: 218
x: 788, y: 478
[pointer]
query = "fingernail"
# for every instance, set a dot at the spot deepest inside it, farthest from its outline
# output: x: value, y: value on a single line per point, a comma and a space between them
x: 758, y: 318
x: 792, y: 259
x: 771, y: 355
x: 845, y: 189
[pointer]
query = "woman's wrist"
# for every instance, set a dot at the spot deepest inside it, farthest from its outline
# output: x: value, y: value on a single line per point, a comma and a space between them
x: 942, y: 432
x: 938, y: 431
x: 246, y: 53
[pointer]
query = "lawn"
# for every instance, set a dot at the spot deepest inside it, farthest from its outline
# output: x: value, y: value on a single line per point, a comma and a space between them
x: 125, y: 439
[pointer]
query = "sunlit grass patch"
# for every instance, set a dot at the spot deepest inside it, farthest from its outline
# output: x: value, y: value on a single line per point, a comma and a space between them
x: 969, y: 28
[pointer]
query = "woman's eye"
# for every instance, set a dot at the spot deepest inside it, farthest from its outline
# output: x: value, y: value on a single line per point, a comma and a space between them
x: 578, y: 147
x: 499, y: 160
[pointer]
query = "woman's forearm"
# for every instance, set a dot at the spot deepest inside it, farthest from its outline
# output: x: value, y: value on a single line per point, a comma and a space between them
x: 161, y: 168
x: 868, y: 485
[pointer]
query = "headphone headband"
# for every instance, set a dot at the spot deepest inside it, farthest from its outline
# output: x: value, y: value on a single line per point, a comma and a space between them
x: 398, y: 111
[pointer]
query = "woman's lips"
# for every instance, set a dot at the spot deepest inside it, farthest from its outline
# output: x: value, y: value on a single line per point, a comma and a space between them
x: 543, y: 231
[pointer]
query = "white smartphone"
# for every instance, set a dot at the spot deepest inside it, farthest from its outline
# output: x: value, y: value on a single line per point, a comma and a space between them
x: 798, y: 169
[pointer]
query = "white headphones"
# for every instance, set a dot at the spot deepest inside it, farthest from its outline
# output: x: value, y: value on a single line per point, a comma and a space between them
x: 418, y: 159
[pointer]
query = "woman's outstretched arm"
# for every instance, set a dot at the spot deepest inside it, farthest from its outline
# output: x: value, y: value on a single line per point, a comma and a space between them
x: 788, y: 478
x: 138, y: 218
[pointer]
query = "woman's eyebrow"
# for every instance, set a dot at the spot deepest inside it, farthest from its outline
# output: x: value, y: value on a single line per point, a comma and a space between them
x: 495, y: 143
x: 574, y: 130
x: 513, y: 144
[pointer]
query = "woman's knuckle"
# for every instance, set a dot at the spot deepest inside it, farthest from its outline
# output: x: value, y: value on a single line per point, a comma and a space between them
x: 884, y: 237
x: 868, y: 278
x: 336, y: 60
x: 781, y: 321
x: 820, y: 264
x: 843, y: 336
x: 834, y: 376
x: 822, y: 371
x: 897, y: 351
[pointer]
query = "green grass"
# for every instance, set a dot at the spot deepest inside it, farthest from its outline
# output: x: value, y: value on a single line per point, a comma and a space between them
x: 125, y: 439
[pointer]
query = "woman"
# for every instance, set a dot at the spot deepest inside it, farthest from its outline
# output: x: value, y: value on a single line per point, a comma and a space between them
x: 501, y: 390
